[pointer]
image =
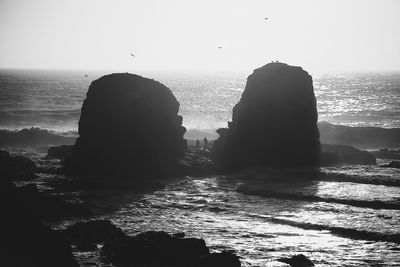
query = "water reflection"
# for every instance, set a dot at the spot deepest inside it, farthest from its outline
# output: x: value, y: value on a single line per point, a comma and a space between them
x: 238, y: 213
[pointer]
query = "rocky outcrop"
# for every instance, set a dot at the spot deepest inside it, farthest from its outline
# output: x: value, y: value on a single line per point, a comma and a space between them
x: 385, y: 153
x: 341, y: 154
x: 392, y: 164
x: 360, y: 137
x: 16, y: 167
x: 86, y: 235
x: 297, y: 261
x: 162, y: 249
x: 152, y: 248
x: 49, y: 207
x: 128, y: 127
x: 275, y: 122
x: 25, y: 240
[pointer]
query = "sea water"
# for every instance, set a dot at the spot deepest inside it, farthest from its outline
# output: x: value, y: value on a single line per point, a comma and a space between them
x: 336, y: 216
x: 52, y: 99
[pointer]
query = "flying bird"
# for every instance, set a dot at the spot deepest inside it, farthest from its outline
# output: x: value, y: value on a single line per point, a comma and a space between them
x: 132, y: 55
x: 219, y: 47
x: 266, y: 18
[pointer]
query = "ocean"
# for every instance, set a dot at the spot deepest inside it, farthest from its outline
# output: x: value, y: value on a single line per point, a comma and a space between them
x: 337, y: 216
x: 52, y: 99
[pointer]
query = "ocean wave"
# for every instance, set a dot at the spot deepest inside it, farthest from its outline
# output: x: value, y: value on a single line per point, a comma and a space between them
x: 48, y: 112
x: 371, y: 204
x: 338, y: 231
x: 346, y: 178
x: 30, y: 117
x: 36, y: 136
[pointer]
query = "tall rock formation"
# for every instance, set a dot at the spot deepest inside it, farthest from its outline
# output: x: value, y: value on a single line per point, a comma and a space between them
x: 128, y: 127
x: 274, y: 123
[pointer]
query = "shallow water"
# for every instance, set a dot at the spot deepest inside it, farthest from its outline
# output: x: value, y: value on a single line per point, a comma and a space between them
x: 336, y: 216
x: 224, y: 211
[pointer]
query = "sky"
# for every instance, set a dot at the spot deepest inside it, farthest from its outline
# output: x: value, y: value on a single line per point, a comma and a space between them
x: 319, y: 35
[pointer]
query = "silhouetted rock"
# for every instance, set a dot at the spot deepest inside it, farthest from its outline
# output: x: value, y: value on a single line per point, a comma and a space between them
x: 49, y: 207
x: 155, y: 249
x: 25, y: 240
x: 128, y: 126
x: 162, y: 249
x: 223, y: 259
x: 341, y: 154
x: 86, y: 235
x: 385, y: 153
x: 274, y: 123
x: 297, y: 261
x: 16, y: 167
x: 392, y: 164
x: 360, y: 137
x: 60, y: 152
x: 33, y: 137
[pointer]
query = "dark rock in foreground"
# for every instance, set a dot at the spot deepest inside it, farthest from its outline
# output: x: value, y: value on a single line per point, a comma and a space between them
x: 16, y: 167
x: 128, y: 127
x: 360, y: 137
x: 275, y: 122
x: 25, y: 240
x: 297, y: 261
x: 223, y: 259
x: 342, y: 154
x: 151, y: 249
x: 392, y: 164
x: 49, y: 207
x: 86, y: 235
x: 162, y: 249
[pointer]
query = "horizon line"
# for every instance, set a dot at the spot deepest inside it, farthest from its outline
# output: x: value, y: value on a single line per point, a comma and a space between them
x: 192, y: 70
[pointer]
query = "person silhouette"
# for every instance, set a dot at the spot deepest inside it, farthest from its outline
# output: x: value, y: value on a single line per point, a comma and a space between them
x: 205, y: 142
x: 197, y: 143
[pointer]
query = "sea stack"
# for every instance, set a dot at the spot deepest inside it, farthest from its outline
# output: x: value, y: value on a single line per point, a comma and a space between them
x: 274, y: 123
x: 129, y: 127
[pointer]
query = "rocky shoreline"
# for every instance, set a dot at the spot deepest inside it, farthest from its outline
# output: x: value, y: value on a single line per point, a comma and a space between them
x: 131, y: 139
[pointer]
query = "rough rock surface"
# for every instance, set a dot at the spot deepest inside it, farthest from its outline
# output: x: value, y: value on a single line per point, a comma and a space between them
x: 274, y: 123
x: 49, y: 207
x: 128, y: 126
x: 297, y: 261
x: 25, y: 240
x: 86, y: 235
x: 162, y: 249
x: 16, y: 167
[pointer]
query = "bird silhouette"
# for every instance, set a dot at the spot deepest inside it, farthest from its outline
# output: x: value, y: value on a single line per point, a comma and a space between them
x: 132, y: 55
x: 219, y: 47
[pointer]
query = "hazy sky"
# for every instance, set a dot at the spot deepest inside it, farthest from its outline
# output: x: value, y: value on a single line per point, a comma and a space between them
x: 319, y: 35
